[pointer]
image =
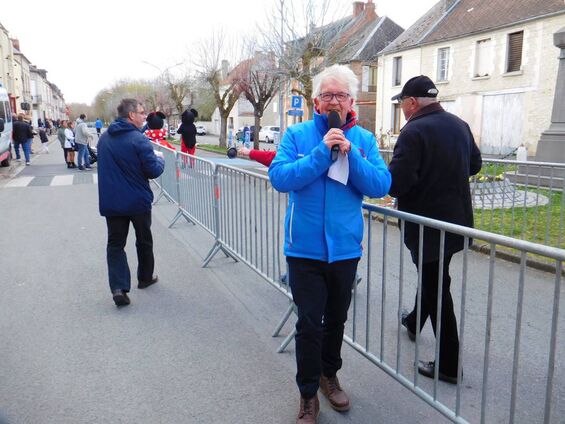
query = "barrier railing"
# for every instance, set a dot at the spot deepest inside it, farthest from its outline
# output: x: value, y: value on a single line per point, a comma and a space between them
x: 508, y: 356
x: 504, y: 311
x: 523, y: 200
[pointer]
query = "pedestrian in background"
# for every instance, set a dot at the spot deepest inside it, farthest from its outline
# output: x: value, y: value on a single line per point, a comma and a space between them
x: 432, y: 161
x: 324, y: 228
x: 126, y: 162
x: 82, y: 138
x: 99, y: 124
x: 187, y: 130
x: 62, y: 138
x: 44, y: 140
x: 70, y: 145
x: 22, y: 135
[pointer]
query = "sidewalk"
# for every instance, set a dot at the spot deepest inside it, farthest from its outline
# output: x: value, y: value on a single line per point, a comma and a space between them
x: 194, y: 348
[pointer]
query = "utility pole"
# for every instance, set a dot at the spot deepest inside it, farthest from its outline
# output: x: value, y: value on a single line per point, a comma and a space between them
x: 281, y: 100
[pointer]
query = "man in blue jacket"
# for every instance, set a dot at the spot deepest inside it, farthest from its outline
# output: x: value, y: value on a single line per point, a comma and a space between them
x: 126, y: 162
x: 432, y: 161
x: 324, y: 228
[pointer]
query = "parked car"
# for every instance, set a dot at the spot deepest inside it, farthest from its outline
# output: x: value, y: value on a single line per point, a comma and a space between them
x: 200, y: 130
x: 268, y: 133
x: 5, y: 128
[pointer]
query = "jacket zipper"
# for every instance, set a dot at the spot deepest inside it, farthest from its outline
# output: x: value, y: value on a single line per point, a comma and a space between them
x: 291, y: 220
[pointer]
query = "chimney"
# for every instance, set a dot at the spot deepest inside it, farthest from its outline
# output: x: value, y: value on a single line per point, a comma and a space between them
x: 358, y: 7
x: 16, y: 43
x: 225, y: 68
x: 370, y: 9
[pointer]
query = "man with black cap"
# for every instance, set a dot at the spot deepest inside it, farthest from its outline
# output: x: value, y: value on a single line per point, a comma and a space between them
x: 433, y: 159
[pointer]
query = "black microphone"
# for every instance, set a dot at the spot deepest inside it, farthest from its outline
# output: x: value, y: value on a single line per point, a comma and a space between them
x: 334, y: 121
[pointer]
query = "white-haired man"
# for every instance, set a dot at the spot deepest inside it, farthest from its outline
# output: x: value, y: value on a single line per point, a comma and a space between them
x: 324, y: 227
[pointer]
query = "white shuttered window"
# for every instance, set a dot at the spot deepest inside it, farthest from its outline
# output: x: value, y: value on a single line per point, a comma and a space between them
x: 483, y: 58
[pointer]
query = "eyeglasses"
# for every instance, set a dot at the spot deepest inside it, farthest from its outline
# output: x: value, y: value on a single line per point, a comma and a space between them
x: 401, y: 100
x: 327, y: 97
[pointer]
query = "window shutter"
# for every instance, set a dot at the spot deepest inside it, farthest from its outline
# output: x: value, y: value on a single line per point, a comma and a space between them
x: 515, y: 42
x: 365, y: 79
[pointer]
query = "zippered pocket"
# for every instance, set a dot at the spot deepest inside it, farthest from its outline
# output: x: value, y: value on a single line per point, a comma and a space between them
x: 290, y: 223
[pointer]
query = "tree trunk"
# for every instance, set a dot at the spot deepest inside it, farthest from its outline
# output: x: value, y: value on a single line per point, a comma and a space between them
x: 223, y: 129
x: 256, y: 135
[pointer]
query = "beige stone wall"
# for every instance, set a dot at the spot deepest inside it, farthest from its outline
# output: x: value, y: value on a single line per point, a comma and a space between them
x: 536, y: 80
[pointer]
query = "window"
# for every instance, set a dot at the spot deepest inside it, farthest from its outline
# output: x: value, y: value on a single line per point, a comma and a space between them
x: 482, y: 58
x: 514, y: 52
x: 442, y: 64
x: 372, y: 79
x: 396, y: 112
x: 396, y: 70
x: 369, y: 80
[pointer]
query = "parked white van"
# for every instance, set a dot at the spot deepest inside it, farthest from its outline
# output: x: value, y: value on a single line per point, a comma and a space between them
x: 5, y: 128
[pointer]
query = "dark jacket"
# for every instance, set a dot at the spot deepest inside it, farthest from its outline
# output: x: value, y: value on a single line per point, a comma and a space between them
x: 433, y: 159
x: 187, y: 129
x: 21, y: 131
x: 126, y: 162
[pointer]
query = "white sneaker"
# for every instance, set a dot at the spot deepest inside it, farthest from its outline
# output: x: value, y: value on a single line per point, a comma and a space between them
x: 28, y: 163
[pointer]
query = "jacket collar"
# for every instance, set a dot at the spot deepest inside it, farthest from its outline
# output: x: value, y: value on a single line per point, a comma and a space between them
x: 426, y: 110
x: 321, y: 121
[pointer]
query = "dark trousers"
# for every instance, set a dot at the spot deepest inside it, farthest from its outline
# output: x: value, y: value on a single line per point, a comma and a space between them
x: 118, y: 270
x: 320, y: 290
x: 449, y: 340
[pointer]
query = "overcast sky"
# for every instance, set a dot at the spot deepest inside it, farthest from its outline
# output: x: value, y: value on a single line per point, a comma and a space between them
x: 88, y: 45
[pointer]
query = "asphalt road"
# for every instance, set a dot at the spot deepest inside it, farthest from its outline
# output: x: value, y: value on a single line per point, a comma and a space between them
x: 196, y: 347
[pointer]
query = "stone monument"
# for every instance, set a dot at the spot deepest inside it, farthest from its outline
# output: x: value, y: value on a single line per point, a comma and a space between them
x: 551, y: 146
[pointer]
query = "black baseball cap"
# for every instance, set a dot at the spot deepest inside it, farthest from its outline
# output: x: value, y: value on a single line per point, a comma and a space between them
x: 420, y: 86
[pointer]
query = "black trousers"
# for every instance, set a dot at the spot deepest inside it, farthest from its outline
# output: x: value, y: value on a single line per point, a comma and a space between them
x: 118, y: 270
x: 322, y: 294
x: 449, y: 340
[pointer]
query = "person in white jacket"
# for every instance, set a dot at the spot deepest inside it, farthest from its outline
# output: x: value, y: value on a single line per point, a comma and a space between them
x: 69, y: 143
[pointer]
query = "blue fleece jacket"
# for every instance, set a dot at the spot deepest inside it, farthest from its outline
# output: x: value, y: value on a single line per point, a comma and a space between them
x: 126, y: 162
x: 324, y: 220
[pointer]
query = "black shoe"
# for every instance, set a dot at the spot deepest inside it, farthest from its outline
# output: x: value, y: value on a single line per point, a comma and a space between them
x: 120, y: 298
x: 427, y: 369
x: 145, y: 284
x: 404, y: 322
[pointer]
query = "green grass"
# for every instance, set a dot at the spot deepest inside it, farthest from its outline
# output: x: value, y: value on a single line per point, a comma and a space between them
x: 213, y: 148
x: 529, y: 224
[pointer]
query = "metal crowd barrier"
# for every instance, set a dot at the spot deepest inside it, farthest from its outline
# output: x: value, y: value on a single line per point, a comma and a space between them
x: 523, y: 200
x: 509, y: 314
x: 508, y: 319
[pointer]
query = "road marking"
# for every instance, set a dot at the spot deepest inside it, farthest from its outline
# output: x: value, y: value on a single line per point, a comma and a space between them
x: 57, y: 180
x: 20, y: 182
x: 62, y: 180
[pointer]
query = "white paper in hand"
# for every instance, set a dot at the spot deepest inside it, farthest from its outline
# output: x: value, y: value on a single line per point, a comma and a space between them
x: 339, y: 170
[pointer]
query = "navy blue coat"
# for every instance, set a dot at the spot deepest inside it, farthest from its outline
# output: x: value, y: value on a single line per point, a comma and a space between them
x: 433, y: 159
x: 126, y: 162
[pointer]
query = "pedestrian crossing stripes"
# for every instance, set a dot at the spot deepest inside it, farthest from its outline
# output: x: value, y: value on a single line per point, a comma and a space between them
x: 56, y: 180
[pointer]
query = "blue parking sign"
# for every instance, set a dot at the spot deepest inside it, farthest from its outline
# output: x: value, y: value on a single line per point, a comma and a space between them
x: 297, y: 102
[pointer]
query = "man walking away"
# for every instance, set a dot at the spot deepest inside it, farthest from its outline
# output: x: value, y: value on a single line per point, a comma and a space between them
x: 432, y: 161
x: 126, y: 162
x: 98, y: 126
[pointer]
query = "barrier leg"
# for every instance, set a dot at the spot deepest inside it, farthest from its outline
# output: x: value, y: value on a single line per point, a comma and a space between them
x: 284, y: 319
x: 215, y: 249
x: 178, y: 215
x: 286, y: 341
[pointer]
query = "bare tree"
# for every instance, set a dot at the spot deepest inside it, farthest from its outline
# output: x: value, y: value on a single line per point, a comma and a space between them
x: 258, y: 81
x: 212, y: 61
x: 304, y: 36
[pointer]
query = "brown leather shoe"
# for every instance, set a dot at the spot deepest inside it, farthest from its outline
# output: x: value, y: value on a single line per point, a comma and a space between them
x: 333, y: 392
x: 309, y: 410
